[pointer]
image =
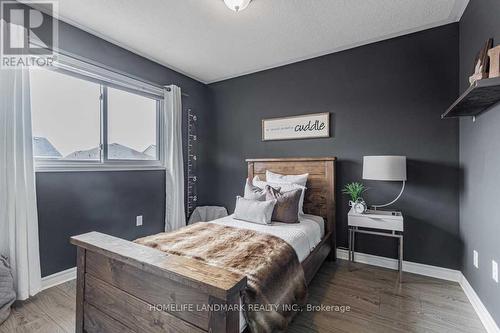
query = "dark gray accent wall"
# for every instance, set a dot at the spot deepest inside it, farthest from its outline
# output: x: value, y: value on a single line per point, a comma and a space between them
x: 384, y: 98
x: 480, y: 161
x: 70, y: 203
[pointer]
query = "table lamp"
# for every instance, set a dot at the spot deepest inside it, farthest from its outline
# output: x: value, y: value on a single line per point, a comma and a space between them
x: 385, y: 168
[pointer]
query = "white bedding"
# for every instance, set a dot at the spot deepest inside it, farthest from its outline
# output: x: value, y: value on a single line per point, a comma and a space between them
x: 302, y: 236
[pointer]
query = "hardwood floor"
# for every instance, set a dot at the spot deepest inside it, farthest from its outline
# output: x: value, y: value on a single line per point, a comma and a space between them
x: 51, y: 311
x: 378, y: 303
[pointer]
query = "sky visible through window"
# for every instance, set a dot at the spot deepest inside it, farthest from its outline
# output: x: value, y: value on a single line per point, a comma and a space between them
x: 131, y: 120
x: 66, y: 115
x: 65, y: 111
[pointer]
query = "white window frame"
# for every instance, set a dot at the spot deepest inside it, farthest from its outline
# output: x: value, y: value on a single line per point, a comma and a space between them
x: 116, y: 80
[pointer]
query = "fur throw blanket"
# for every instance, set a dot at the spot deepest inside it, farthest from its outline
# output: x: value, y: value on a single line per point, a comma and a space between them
x: 275, y: 276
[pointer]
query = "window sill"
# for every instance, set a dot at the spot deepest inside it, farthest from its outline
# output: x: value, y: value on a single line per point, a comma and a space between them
x: 96, y: 167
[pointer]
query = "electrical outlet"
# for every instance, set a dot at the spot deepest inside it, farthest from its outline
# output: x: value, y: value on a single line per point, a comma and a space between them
x: 138, y: 221
x: 476, y: 259
x: 494, y: 270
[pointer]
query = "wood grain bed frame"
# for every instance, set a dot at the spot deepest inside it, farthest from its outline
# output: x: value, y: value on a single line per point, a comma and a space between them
x: 126, y: 287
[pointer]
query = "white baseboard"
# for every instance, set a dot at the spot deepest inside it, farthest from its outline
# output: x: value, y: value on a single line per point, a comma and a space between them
x: 408, y: 266
x: 488, y: 322
x: 432, y: 271
x: 58, y: 278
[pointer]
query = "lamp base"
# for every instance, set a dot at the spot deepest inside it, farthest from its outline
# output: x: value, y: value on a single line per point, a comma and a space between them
x: 374, y: 207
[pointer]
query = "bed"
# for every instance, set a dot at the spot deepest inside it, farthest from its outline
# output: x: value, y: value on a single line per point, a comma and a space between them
x: 122, y: 285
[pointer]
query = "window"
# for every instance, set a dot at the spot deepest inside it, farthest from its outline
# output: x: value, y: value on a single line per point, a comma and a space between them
x: 81, y: 120
x: 132, y: 132
x: 65, y: 116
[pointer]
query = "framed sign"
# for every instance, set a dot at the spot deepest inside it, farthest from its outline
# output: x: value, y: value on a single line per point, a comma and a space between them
x: 315, y: 125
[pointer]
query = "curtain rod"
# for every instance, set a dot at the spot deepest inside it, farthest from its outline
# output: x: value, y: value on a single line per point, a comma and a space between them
x: 94, y: 63
x: 182, y: 93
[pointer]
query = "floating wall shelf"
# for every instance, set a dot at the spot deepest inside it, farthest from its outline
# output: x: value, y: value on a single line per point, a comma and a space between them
x: 479, y: 97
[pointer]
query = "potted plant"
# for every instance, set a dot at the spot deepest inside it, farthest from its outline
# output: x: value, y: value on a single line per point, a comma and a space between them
x: 354, y: 191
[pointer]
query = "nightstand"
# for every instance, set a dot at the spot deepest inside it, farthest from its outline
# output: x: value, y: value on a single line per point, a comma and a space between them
x: 390, y: 224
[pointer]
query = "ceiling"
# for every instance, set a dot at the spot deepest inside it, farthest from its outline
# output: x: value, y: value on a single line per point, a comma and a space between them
x: 208, y: 42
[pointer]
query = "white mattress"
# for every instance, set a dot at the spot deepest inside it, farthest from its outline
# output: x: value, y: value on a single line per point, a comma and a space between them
x: 302, y: 236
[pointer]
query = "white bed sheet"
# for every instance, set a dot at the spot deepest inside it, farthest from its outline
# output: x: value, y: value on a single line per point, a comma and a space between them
x: 303, y: 237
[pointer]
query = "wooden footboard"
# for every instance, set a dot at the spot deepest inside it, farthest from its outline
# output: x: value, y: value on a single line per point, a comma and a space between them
x: 127, y: 287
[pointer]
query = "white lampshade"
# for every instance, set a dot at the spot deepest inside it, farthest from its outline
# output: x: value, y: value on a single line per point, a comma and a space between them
x: 237, y: 5
x: 390, y: 168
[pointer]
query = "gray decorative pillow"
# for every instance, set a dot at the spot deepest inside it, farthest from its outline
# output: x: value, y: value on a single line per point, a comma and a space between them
x: 253, y: 192
x: 253, y: 210
x: 282, y: 187
x: 286, y: 209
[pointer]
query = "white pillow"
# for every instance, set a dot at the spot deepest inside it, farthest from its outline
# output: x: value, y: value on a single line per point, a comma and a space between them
x: 254, y: 211
x: 285, y: 187
x: 279, y: 178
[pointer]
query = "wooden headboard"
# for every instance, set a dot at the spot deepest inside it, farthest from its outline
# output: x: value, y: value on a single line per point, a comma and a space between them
x: 320, y: 194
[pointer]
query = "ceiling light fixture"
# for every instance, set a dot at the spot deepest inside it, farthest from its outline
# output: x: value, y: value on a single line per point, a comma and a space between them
x: 237, y: 5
